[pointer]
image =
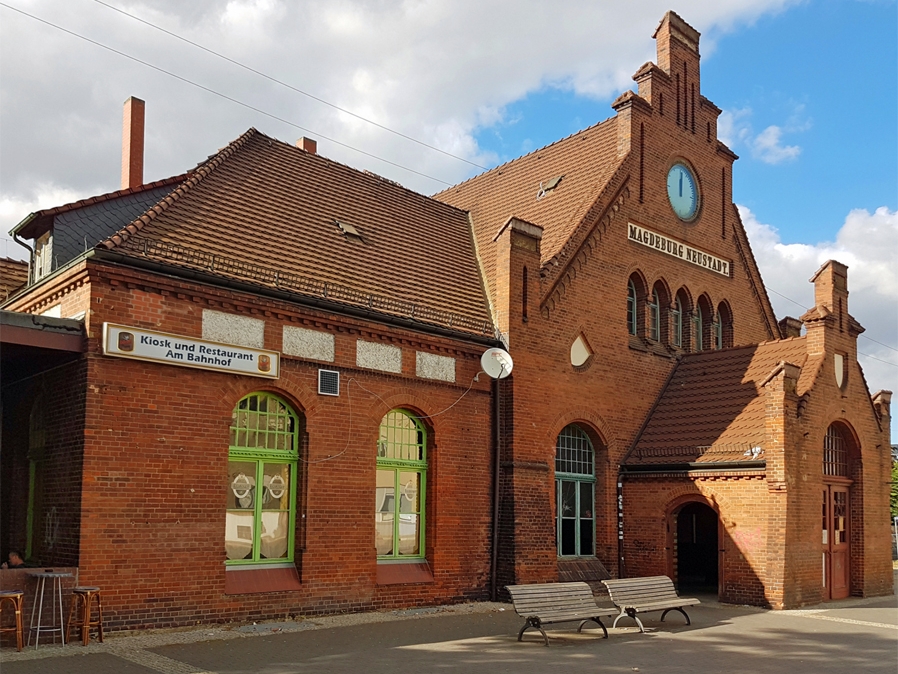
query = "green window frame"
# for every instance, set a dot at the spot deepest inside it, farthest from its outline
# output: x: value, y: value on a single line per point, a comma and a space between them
x: 575, y: 493
x: 677, y: 323
x: 698, y: 322
x: 402, y: 480
x: 263, y: 451
x: 631, y: 307
x: 655, y: 317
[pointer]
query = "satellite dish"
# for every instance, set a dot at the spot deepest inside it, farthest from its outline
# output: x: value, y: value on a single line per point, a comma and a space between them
x: 496, y: 363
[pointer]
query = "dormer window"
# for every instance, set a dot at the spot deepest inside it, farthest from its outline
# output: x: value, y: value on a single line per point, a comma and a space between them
x: 43, y: 256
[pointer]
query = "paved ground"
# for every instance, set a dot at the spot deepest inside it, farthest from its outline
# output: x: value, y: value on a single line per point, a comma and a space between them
x: 857, y: 635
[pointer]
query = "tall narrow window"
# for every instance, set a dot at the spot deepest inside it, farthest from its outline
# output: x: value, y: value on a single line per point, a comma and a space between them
x: 698, y: 322
x: 261, y: 487
x: 400, y: 488
x: 724, y: 325
x: 631, y: 307
x: 717, y: 329
x: 677, y: 320
x: 575, y: 490
x: 655, y: 317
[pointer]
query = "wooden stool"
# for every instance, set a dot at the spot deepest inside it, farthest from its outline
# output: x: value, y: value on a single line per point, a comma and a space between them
x: 80, y: 612
x: 16, y: 598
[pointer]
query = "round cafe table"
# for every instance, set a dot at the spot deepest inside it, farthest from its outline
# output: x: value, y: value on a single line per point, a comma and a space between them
x: 55, y: 603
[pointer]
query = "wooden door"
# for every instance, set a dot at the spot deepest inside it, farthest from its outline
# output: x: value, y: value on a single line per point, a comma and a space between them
x: 836, y: 560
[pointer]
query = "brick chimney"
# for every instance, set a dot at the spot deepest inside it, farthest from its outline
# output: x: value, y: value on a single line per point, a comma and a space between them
x: 307, y: 144
x: 132, y: 143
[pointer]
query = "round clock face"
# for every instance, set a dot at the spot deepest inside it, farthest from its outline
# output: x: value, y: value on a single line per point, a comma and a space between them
x: 682, y: 192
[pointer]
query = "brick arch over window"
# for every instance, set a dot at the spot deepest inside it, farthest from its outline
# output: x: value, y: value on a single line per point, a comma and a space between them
x: 636, y: 303
x: 841, y: 451
x: 703, y: 318
x: 725, y: 337
x: 659, y: 312
x: 681, y: 317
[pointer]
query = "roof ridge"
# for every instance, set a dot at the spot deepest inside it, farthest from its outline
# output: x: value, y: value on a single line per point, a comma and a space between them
x: 197, y: 176
x: 365, y: 173
x: 525, y: 156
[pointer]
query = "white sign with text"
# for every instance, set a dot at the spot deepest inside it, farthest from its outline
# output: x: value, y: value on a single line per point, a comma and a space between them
x: 675, y: 248
x: 160, y: 347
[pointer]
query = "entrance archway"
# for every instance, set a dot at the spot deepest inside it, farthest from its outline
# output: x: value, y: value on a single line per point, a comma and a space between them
x: 696, y: 548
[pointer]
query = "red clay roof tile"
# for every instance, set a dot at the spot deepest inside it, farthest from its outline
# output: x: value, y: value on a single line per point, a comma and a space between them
x: 267, y: 212
x: 713, y: 409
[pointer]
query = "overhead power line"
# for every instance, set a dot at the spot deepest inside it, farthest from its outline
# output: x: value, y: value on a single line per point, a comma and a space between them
x: 219, y: 94
x: 864, y: 336
x: 287, y: 85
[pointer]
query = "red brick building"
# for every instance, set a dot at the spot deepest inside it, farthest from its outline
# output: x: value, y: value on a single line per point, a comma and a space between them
x: 279, y: 409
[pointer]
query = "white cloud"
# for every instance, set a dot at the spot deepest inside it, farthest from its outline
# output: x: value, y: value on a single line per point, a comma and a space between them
x: 14, y: 209
x: 735, y: 130
x: 432, y: 69
x: 768, y: 147
x: 865, y: 243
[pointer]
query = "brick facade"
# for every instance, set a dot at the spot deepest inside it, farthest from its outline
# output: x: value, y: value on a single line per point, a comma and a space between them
x: 137, y: 452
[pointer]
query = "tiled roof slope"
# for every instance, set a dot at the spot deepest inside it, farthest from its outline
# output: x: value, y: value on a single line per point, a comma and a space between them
x: 13, y: 275
x: 587, y: 160
x: 266, y: 212
x: 713, y: 409
x: 79, y: 229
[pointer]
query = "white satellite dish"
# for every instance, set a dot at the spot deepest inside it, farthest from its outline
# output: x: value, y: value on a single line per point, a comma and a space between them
x: 496, y: 363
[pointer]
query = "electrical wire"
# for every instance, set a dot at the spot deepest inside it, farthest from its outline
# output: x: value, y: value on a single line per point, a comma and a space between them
x: 353, y: 380
x: 286, y: 85
x: 219, y: 94
x: 866, y: 355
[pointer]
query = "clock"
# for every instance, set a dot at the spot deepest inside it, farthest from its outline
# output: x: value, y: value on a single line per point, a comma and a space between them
x: 682, y: 191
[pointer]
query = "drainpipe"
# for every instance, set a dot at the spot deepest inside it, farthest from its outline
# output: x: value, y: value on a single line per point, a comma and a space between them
x: 494, y: 561
x: 15, y: 237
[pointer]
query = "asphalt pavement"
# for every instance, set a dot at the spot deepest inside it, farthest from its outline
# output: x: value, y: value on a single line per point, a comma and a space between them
x: 857, y: 635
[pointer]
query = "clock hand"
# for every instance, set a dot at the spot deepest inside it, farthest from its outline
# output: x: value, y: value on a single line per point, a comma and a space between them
x: 681, y: 184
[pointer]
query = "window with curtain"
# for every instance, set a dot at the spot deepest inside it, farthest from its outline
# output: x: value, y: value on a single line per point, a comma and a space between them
x: 400, y: 488
x: 261, y: 482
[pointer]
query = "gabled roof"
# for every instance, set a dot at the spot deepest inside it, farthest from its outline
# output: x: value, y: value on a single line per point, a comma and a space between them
x: 586, y: 159
x: 39, y: 222
x: 268, y: 213
x: 713, y: 409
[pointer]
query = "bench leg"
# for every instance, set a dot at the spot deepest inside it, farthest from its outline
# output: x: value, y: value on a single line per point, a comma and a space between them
x: 688, y: 622
x: 533, y: 622
x: 629, y: 613
x: 623, y: 613
x: 598, y: 620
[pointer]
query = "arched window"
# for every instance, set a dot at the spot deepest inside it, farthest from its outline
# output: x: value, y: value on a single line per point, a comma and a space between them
x: 725, y: 325
x: 575, y: 490
x: 262, y: 466
x: 697, y: 320
x: 631, y: 307
x: 655, y: 317
x: 400, y: 488
x: 703, y: 319
x: 676, y: 315
x: 659, y: 313
x: 835, y: 453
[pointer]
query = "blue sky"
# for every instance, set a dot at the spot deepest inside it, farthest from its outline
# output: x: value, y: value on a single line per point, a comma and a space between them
x: 825, y: 72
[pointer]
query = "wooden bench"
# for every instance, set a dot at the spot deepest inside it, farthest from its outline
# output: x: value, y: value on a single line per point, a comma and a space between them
x: 546, y: 603
x: 643, y: 595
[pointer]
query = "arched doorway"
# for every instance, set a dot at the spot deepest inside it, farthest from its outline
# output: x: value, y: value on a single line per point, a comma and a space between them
x: 839, y: 452
x: 696, y: 548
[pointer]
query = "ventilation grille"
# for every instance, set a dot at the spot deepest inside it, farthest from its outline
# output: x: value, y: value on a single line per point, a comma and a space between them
x: 328, y: 383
